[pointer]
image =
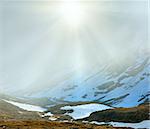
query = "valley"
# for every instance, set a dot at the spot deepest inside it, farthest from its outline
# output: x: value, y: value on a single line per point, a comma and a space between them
x: 78, y: 115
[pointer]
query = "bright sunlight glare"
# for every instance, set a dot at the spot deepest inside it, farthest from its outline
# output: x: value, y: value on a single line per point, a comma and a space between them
x: 72, y: 13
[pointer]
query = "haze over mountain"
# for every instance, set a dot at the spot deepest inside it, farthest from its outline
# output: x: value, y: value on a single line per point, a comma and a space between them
x: 74, y: 64
x: 107, y: 55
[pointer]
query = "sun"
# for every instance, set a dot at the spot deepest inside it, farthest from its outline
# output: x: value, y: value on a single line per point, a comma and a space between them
x: 72, y: 13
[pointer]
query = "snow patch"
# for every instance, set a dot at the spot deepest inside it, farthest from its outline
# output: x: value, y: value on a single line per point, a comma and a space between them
x: 144, y: 124
x: 47, y: 114
x: 26, y: 107
x: 82, y: 111
x: 52, y: 118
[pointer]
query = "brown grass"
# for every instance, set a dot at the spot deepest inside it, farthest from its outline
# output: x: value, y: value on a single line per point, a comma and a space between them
x: 16, y: 124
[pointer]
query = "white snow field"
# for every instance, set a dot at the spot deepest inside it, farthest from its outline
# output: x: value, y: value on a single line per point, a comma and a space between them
x: 26, y: 107
x: 141, y: 125
x: 47, y: 114
x: 82, y: 111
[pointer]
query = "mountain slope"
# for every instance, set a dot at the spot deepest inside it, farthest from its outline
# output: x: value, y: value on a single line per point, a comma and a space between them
x: 127, y: 88
x: 9, y: 111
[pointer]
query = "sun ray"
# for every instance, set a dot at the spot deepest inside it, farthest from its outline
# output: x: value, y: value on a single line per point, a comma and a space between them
x: 72, y: 13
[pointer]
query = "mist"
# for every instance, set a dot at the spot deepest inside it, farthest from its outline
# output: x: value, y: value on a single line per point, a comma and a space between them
x: 38, y: 50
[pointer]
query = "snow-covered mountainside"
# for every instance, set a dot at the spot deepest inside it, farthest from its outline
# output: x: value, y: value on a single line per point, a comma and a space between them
x: 124, y: 87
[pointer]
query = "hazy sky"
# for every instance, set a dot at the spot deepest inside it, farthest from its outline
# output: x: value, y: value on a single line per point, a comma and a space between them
x: 42, y: 41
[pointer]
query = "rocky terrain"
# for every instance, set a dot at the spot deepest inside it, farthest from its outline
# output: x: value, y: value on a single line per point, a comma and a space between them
x: 12, y: 117
x: 17, y: 124
x: 59, y: 117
